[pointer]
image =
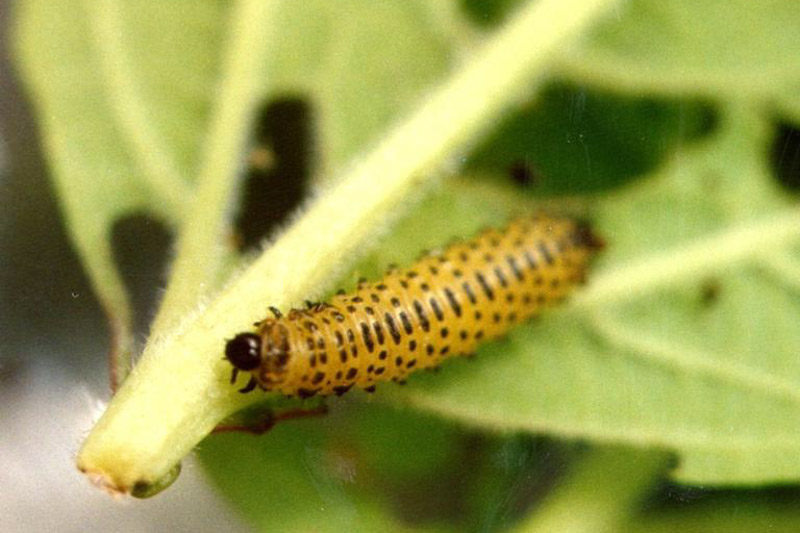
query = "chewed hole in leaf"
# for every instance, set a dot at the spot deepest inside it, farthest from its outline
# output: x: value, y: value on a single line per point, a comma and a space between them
x: 576, y: 140
x: 141, y: 246
x: 278, y: 167
x: 785, y: 157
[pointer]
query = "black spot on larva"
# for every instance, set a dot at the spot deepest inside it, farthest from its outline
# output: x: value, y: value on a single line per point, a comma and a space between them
x: 318, y: 377
x: 463, y: 334
x: 464, y: 256
x: 479, y: 335
x: 425, y: 287
x: 370, y: 369
x: 429, y: 349
x: 478, y: 315
x: 411, y: 364
x: 378, y: 332
x: 381, y: 287
x: 468, y: 290
x: 380, y: 370
x: 310, y: 343
x: 498, y: 272
x: 398, y: 361
x: 342, y: 389
x: 485, y: 286
x: 411, y: 274
x: 351, y: 308
x: 310, y: 326
x: 393, y: 331
x: 444, y: 350
x: 370, y: 389
x: 321, y: 343
x: 375, y: 298
x: 444, y: 332
x: 395, y: 302
x: 538, y: 281
x: 406, y: 322
x: 488, y: 258
x: 339, y: 374
x: 370, y: 344
x: 496, y: 317
x: 423, y: 318
x: 548, y: 257
x: 509, y: 297
x: 357, y: 299
x: 526, y: 298
x: 457, y: 273
x: 436, y: 309
x: 343, y: 355
x: 323, y: 358
x: 451, y: 299
x: 353, y: 372
x: 369, y: 310
x: 339, y: 317
x: 325, y: 320
x: 339, y: 338
x: 306, y: 393
x: 512, y: 317
x: 530, y: 260
x: 404, y: 283
x: 433, y: 270
x: 382, y: 356
x: 412, y: 345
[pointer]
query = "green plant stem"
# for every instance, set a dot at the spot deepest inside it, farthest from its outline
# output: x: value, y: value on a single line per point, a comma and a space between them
x: 600, y: 493
x: 179, y: 390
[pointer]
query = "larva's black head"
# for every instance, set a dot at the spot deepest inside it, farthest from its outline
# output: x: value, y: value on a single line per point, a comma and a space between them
x: 244, y: 351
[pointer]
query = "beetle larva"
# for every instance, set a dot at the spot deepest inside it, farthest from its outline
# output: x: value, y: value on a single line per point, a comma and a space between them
x: 445, y: 304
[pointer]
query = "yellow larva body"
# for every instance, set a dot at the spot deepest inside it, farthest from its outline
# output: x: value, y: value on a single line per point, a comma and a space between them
x: 445, y: 304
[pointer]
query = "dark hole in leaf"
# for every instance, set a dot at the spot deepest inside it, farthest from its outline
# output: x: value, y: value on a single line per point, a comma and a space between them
x: 489, y: 13
x: 141, y: 246
x: 278, y: 168
x: 785, y: 157
x: 573, y: 140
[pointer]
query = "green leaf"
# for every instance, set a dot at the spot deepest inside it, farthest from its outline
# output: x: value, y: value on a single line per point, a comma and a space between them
x: 296, y: 480
x: 731, y: 49
x: 684, y: 338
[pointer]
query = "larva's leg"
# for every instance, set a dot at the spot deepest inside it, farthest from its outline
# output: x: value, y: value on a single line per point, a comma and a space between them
x: 269, y: 419
x: 251, y: 385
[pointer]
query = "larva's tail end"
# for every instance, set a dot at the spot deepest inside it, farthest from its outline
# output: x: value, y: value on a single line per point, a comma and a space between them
x: 584, y: 236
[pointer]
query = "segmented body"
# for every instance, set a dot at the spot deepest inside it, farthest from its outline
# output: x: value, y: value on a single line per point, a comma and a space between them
x: 445, y: 304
